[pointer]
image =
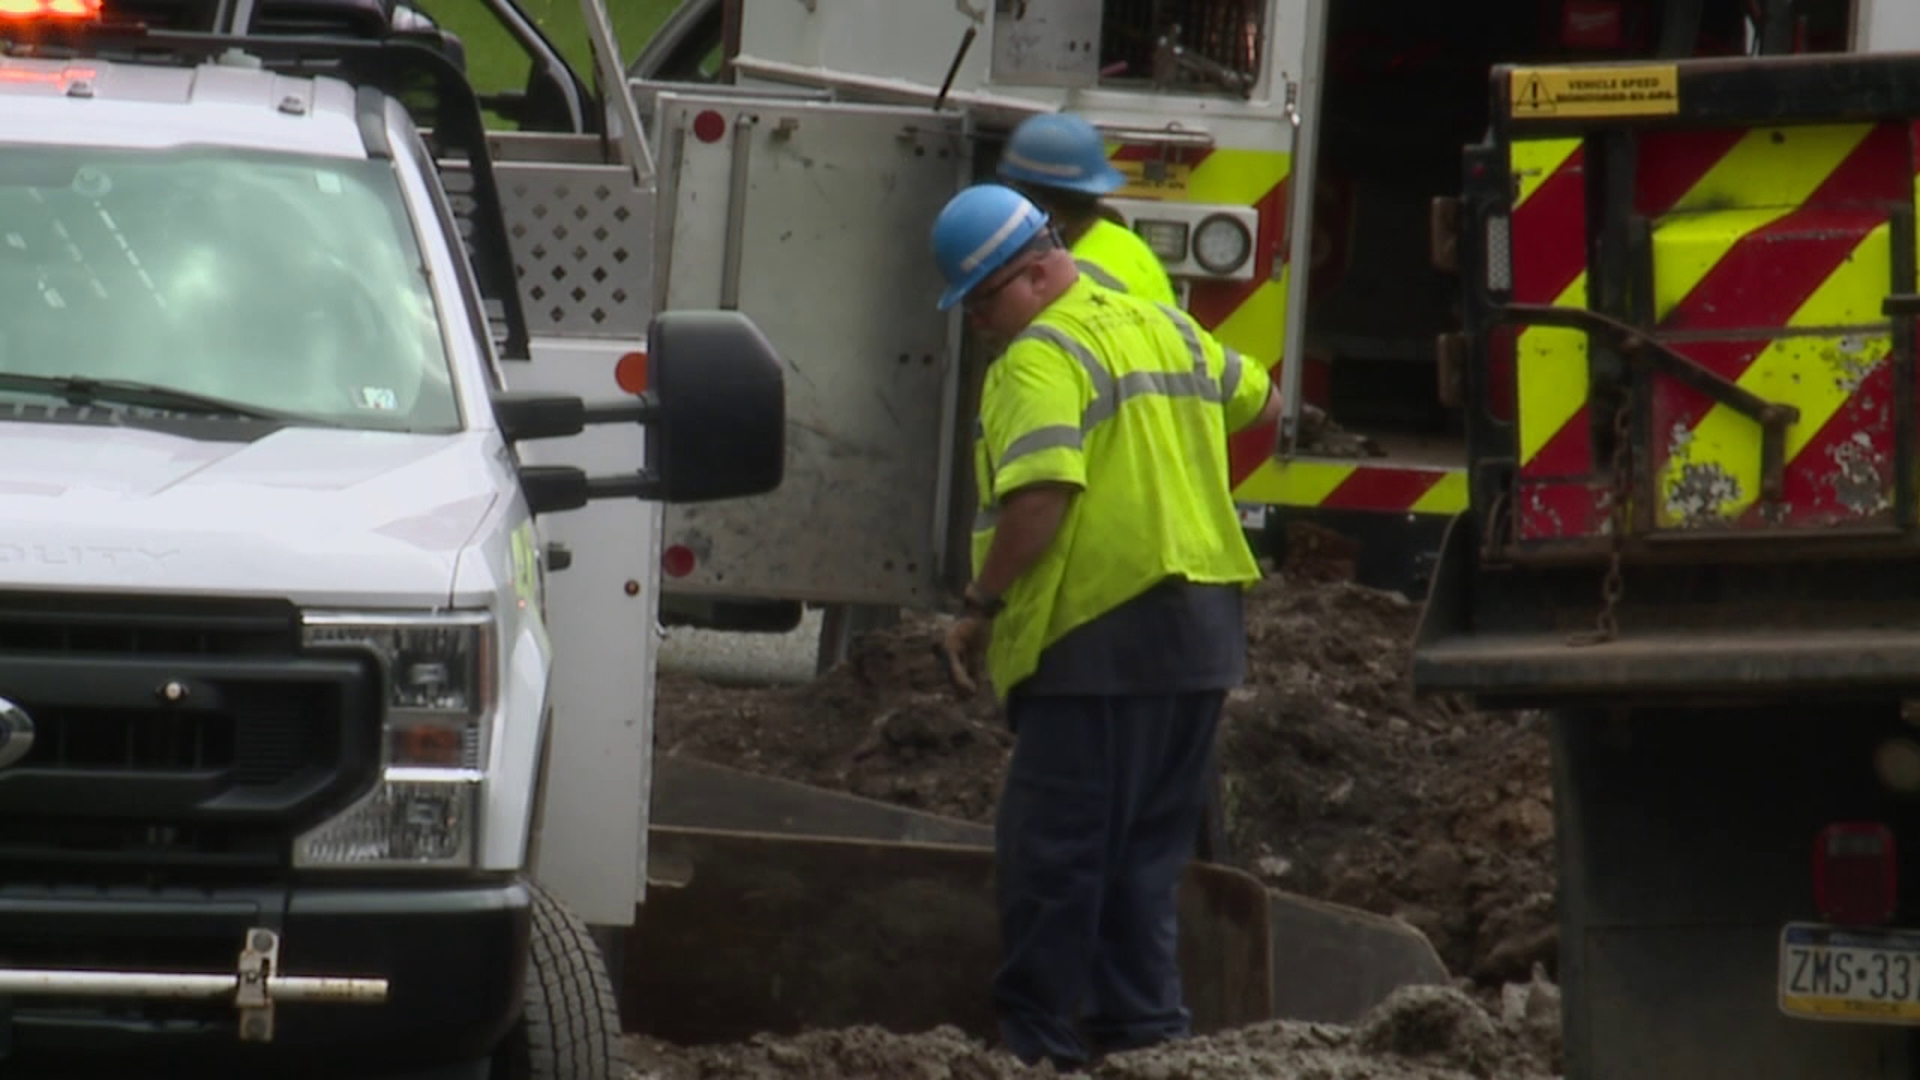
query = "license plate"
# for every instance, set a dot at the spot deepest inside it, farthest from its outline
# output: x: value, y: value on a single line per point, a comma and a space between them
x: 1863, y: 976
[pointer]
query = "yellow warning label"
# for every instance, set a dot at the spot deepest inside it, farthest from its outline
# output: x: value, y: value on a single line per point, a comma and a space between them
x: 1153, y: 179
x: 1650, y: 90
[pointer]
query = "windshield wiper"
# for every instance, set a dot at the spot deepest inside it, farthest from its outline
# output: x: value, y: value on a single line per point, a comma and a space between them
x: 83, y: 390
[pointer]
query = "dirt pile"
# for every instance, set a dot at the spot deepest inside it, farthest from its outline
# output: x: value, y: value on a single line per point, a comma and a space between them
x: 1340, y: 785
x: 885, y: 725
x: 1419, y: 1033
x: 1337, y: 783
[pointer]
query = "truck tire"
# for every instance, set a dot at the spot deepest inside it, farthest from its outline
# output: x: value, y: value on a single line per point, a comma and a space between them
x: 570, y: 1026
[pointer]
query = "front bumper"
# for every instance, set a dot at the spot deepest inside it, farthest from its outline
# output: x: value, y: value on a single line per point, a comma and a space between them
x: 438, y: 977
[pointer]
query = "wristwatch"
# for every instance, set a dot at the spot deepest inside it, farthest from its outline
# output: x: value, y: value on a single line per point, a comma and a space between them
x: 979, y: 602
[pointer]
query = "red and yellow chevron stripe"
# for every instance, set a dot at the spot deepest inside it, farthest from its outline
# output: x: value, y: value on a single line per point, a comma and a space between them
x: 1549, y: 366
x: 1251, y: 316
x: 1771, y: 255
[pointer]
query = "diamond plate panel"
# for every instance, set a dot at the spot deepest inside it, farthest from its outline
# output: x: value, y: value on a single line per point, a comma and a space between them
x: 582, y: 246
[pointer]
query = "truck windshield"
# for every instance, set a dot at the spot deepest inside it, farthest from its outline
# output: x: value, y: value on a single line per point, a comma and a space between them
x: 287, y: 283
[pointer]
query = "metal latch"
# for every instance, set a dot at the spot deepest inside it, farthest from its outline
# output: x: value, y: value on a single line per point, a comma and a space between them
x: 255, y: 986
x: 1642, y: 348
x: 258, y: 961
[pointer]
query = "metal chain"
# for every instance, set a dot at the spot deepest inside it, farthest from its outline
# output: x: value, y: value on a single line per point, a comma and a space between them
x: 1613, y: 585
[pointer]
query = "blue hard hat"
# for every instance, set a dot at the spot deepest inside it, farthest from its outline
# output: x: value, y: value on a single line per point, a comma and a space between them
x: 977, y: 232
x: 1059, y: 150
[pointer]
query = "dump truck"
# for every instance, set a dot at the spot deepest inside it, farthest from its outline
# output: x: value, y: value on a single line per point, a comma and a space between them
x: 1688, y: 359
x: 292, y: 722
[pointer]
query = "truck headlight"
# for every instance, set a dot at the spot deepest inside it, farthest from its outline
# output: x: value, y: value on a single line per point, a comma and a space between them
x: 441, y: 675
x: 440, y: 680
x: 414, y: 817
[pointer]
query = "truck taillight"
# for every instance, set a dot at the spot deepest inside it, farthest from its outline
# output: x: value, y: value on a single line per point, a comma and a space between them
x: 1855, y: 873
x: 49, y: 9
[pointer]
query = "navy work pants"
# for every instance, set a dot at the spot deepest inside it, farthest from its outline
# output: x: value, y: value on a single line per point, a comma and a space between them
x: 1096, y: 825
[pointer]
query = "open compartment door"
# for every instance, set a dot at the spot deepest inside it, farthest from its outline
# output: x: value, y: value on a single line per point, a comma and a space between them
x: 813, y: 219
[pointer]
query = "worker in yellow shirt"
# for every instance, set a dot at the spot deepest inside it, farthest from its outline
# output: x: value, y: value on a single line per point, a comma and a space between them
x: 1109, y: 577
x: 1060, y: 162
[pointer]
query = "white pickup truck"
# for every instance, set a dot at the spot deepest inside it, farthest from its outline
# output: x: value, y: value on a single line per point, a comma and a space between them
x: 277, y: 683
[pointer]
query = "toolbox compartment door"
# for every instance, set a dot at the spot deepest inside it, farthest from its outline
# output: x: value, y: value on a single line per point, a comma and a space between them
x: 813, y: 218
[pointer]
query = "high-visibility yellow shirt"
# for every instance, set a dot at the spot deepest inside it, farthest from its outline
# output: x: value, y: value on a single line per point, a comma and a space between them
x: 1130, y: 402
x: 1118, y: 258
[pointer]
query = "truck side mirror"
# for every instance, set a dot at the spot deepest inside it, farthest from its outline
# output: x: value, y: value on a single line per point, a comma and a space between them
x: 715, y: 413
x: 721, y: 427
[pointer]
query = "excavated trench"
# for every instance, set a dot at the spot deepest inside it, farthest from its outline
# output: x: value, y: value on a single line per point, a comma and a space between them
x: 1339, y: 785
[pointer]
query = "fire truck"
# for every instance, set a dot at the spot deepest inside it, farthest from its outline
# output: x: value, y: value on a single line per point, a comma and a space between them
x: 1689, y: 298
x: 803, y: 148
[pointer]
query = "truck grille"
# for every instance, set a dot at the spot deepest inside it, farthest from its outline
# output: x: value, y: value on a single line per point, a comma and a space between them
x: 35, y: 623
x: 190, y: 736
x: 261, y: 741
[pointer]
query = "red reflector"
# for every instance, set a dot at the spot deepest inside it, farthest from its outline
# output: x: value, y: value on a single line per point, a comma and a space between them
x: 709, y: 126
x: 50, y: 9
x: 677, y: 560
x: 1855, y: 873
x: 631, y: 373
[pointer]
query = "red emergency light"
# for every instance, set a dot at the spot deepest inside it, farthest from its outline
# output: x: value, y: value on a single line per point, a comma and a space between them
x: 1855, y: 874
x: 49, y: 10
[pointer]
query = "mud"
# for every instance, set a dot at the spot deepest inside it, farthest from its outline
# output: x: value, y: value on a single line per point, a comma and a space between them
x: 1419, y: 1033
x: 1337, y: 783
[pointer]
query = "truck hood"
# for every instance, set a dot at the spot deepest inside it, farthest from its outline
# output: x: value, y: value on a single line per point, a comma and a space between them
x: 318, y: 516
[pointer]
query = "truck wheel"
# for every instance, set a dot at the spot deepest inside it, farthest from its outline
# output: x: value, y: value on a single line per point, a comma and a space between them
x: 570, y: 1029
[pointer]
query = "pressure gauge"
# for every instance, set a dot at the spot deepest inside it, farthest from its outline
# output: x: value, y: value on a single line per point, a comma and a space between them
x: 1222, y: 244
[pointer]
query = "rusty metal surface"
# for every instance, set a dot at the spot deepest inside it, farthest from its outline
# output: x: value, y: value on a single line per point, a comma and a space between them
x: 814, y: 908
x: 1655, y: 662
x: 1335, y: 964
x: 780, y: 933
x: 696, y: 794
x: 1703, y: 629
x: 1675, y: 381
x: 1849, y: 483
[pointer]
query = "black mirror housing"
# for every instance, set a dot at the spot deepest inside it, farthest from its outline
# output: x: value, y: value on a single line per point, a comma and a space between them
x: 720, y: 429
x: 550, y: 489
x: 523, y: 415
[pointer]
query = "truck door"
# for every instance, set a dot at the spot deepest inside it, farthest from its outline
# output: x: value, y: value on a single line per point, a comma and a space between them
x: 814, y: 218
